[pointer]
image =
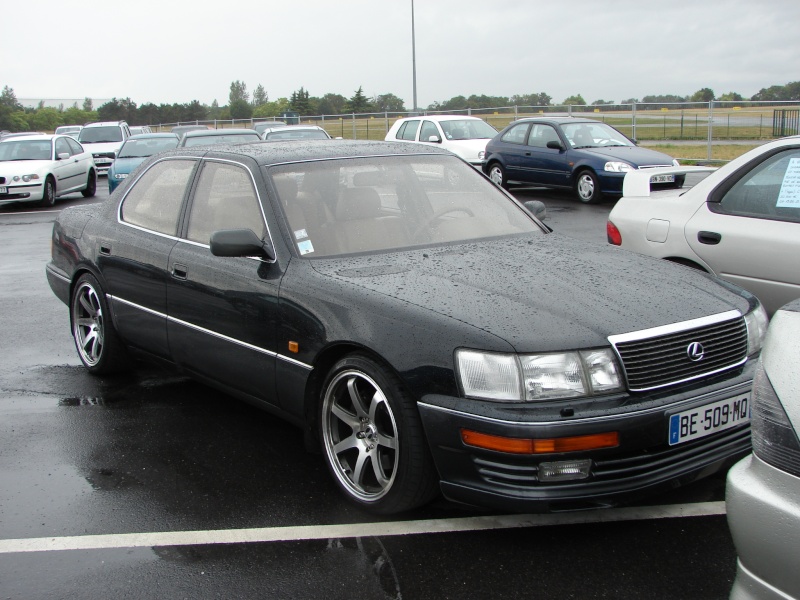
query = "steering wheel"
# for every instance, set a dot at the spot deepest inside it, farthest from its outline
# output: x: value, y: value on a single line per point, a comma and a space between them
x: 438, y: 215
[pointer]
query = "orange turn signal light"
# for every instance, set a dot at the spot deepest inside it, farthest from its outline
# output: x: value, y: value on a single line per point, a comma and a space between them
x: 540, y: 446
x: 294, y: 347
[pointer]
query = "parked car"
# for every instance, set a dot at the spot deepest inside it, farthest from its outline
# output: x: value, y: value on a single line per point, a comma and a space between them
x: 71, y: 130
x: 141, y: 129
x: 134, y: 151
x: 462, y: 135
x: 218, y: 136
x: 42, y: 168
x: 742, y: 222
x: 295, y: 132
x: 179, y: 130
x: 263, y: 125
x: 585, y: 155
x: 763, y: 491
x: 103, y: 140
x: 415, y: 321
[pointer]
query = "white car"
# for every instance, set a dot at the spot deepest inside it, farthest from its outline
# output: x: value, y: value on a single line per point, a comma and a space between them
x: 103, y: 140
x: 71, y: 130
x: 741, y: 223
x: 763, y: 492
x: 42, y: 168
x: 464, y: 136
x: 295, y: 132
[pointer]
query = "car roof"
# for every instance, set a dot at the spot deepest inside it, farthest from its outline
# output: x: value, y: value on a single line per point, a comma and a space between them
x: 443, y: 118
x: 105, y: 124
x: 279, y: 152
x: 150, y: 136
x: 31, y: 135
x: 555, y: 120
x: 211, y: 132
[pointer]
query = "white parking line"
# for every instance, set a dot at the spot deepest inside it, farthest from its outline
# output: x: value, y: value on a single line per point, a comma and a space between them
x: 356, y: 530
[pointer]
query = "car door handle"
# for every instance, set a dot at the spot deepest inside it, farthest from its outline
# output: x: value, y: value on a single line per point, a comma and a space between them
x: 179, y: 272
x: 105, y: 250
x: 709, y: 237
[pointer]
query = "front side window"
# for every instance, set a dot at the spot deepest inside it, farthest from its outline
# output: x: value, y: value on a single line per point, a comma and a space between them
x: 62, y: 147
x: 224, y: 199
x: 541, y: 134
x: 154, y: 201
x: 771, y: 190
x: 428, y: 130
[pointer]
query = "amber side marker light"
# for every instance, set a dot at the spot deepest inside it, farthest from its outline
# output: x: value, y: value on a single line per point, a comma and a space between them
x: 294, y: 347
x: 540, y: 446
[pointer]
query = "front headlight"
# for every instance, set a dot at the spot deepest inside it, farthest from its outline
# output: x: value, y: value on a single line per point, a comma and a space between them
x: 32, y: 177
x: 618, y: 167
x: 756, y: 321
x: 481, y: 154
x: 520, y: 378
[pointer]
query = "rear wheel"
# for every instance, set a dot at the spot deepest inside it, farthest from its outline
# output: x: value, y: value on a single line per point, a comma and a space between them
x: 49, y: 192
x: 91, y: 185
x: 372, y: 438
x: 587, y: 188
x: 96, y: 340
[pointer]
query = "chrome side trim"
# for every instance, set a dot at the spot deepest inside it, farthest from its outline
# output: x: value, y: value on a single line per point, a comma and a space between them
x: 295, y: 362
x: 635, y: 336
x: 134, y: 305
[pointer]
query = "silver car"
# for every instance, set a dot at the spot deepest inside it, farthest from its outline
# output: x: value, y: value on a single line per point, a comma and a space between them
x: 763, y: 493
x: 742, y: 222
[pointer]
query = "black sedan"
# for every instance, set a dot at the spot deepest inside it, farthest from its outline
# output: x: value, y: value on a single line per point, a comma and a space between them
x: 566, y: 152
x: 419, y: 325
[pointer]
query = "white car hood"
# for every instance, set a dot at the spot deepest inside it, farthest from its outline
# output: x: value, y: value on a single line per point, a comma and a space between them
x: 95, y: 147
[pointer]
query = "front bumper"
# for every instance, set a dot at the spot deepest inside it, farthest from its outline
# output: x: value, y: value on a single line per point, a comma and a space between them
x: 26, y: 192
x: 763, y: 506
x: 643, y: 463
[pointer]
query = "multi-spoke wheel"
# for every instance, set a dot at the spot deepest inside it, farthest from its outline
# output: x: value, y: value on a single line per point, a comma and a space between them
x: 372, y: 437
x: 587, y: 187
x: 98, y: 346
x: 498, y: 174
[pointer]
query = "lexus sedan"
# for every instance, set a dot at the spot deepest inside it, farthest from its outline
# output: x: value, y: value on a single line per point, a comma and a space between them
x: 741, y: 223
x: 584, y: 155
x: 417, y: 323
x: 464, y: 136
x: 41, y: 168
x: 763, y: 493
x: 133, y: 152
x: 218, y: 136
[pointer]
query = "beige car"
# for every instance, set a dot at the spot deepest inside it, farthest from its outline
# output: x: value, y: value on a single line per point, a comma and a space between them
x: 741, y: 223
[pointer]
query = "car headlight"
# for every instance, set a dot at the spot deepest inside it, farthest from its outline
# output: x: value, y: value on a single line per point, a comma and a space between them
x: 756, y: 321
x: 528, y: 377
x: 120, y: 175
x: 618, y: 167
x: 481, y: 154
x: 25, y: 178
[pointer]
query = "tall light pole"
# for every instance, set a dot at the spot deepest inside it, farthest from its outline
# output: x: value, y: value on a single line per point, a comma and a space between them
x: 414, y: 57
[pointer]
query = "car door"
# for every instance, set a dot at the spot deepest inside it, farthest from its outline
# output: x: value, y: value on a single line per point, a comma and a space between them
x: 544, y: 165
x: 749, y: 230
x: 222, y: 310
x: 429, y: 130
x: 515, y: 153
x: 69, y: 171
x: 133, y: 253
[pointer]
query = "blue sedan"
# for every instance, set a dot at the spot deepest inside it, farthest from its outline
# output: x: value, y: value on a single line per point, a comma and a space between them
x: 567, y: 152
x: 133, y: 153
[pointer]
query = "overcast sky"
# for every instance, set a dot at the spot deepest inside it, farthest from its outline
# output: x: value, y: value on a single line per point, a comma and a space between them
x: 177, y: 51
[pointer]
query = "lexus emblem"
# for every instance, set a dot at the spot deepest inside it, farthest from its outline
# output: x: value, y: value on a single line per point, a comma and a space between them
x: 695, y: 351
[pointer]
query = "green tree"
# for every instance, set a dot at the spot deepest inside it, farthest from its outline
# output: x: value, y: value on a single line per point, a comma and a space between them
x: 214, y: 112
x: 332, y: 104
x: 703, y: 95
x: 358, y: 103
x: 260, y: 96
x: 731, y: 97
x: 388, y: 103
x: 76, y: 116
x: 118, y: 110
x: 602, y: 102
x: 87, y: 105
x: 240, y: 109
x: 534, y: 99
x: 45, y: 119
x: 9, y: 99
x: 576, y: 100
x: 238, y: 92
x: 299, y: 102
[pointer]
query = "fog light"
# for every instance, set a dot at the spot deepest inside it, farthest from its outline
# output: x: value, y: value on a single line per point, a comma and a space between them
x: 564, y: 470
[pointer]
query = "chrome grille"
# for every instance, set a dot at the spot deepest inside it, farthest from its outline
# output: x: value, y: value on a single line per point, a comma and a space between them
x: 663, y: 359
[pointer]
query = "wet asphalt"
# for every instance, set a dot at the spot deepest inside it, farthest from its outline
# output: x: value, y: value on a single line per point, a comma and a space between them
x: 154, y: 452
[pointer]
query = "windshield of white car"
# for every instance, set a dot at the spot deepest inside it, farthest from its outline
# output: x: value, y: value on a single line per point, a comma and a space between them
x: 99, y: 135
x: 25, y: 150
x: 297, y: 134
x: 358, y: 205
x: 468, y: 129
x: 593, y: 135
x: 147, y: 147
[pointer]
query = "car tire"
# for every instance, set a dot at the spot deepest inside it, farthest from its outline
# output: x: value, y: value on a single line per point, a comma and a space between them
x: 99, y: 347
x: 372, y: 438
x: 498, y: 175
x: 48, y: 192
x: 91, y: 185
x: 587, y: 188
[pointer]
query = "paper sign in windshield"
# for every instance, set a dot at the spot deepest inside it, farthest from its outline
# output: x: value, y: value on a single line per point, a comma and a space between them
x: 790, y: 188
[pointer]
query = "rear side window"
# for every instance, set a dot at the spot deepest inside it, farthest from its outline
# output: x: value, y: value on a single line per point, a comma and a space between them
x: 155, y: 200
x: 516, y: 135
x: 771, y: 190
x: 408, y: 130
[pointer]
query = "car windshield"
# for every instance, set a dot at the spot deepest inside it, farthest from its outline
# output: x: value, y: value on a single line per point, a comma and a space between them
x: 261, y: 127
x: 468, y: 129
x: 205, y: 140
x: 297, y: 134
x: 25, y: 150
x: 97, y: 135
x: 357, y: 205
x: 594, y: 135
x: 146, y: 147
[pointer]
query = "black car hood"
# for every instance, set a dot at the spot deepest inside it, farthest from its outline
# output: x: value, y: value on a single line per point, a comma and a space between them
x: 631, y: 154
x: 540, y: 292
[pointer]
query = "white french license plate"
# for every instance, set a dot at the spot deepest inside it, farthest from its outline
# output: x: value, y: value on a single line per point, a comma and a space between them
x: 711, y: 418
x: 3, y: 190
x: 662, y: 179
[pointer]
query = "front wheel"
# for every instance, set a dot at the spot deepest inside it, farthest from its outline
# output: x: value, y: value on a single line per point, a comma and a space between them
x: 96, y: 340
x: 91, y: 185
x: 498, y: 174
x: 587, y: 188
x: 372, y: 438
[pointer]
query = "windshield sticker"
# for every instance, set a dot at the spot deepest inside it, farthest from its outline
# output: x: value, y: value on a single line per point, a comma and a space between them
x: 300, y: 234
x: 790, y: 188
x: 305, y: 247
